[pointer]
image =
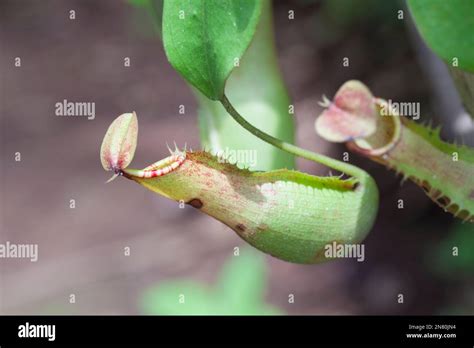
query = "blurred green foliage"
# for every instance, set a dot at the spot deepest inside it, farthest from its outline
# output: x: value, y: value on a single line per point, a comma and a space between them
x: 154, y: 8
x: 442, y: 259
x: 239, y: 290
x: 345, y: 13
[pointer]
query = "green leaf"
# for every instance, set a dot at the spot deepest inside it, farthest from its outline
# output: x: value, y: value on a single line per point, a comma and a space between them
x: 447, y: 27
x: 204, y: 39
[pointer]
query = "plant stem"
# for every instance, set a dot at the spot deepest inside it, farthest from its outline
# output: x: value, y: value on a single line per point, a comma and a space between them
x: 293, y: 149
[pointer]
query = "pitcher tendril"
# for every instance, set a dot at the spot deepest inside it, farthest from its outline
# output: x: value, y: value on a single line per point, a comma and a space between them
x: 293, y: 149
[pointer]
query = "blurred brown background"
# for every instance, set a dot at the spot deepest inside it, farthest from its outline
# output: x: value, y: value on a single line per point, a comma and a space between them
x: 81, y: 250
